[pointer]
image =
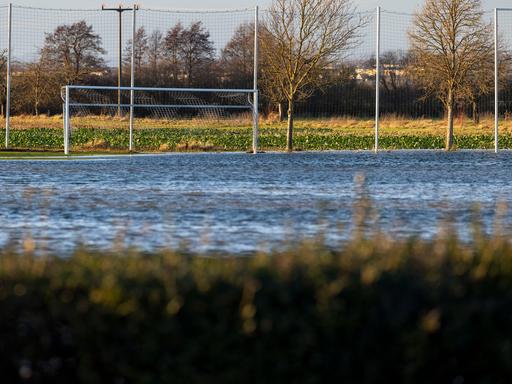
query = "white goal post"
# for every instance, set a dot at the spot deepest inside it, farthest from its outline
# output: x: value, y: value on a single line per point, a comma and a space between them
x: 169, y: 102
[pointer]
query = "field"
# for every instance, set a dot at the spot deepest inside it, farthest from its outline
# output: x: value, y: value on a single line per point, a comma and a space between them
x: 93, y: 134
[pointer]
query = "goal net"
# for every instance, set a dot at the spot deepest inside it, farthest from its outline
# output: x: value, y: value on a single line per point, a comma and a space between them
x: 114, y: 119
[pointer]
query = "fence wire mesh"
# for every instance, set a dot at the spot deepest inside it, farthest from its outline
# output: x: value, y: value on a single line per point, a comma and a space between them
x: 3, y: 62
x: 504, y: 19
x: 202, y: 49
x: 352, y: 93
x: 55, y: 47
x: 197, y: 49
x: 225, y: 57
x: 399, y: 96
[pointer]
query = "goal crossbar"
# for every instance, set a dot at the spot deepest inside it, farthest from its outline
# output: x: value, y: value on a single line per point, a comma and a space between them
x: 132, y: 105
x: 154, y: 89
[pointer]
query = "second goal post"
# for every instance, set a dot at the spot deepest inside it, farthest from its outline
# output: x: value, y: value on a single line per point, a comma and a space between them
x: 109, y: 117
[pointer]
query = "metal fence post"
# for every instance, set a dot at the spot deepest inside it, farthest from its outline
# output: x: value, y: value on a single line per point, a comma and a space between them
x: 66, y: 122
x: 496, y: 83
x: 377, y: 83
x: 8, y: 80
x: 255, y: 136
x: 132, y: 84
x: 63, y: 116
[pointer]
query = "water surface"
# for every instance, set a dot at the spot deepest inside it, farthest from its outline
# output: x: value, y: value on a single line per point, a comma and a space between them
x: 240, y: 202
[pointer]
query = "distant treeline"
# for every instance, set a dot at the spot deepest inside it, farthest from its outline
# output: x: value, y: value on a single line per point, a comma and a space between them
x: 185, y: 56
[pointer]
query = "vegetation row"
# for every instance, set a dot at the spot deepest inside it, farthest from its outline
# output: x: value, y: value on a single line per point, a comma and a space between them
x: 375, y: 311
x: 233, y: 139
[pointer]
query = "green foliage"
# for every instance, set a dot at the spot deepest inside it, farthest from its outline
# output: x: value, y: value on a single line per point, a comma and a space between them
x: 376, y: 311
x: 233, y: 139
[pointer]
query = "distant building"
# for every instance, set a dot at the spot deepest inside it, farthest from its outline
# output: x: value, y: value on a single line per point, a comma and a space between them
x: 388, y: 70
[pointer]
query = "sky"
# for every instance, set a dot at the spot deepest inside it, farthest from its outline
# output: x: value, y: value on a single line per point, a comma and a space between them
x: 391, y: 5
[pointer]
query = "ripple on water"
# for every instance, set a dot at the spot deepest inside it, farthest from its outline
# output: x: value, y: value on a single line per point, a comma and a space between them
x: 239, y: 202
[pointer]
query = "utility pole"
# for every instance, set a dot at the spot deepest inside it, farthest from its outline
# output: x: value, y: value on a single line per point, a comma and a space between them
x: 377, y: 82
x: 120, y: 9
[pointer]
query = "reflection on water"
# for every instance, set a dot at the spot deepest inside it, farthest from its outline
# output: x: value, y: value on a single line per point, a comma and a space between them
x: 240, y: 202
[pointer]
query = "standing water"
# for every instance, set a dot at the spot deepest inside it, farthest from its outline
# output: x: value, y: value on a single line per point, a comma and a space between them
x: 242, y: 203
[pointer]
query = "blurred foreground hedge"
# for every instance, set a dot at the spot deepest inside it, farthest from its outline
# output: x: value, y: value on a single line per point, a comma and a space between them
x: 377, y: 311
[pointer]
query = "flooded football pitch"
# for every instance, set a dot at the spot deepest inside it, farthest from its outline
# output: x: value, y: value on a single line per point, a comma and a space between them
x: 241, y: 203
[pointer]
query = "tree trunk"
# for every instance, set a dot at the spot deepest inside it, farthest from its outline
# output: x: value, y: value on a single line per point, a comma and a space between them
x: 280, y: 111
x: 289, y: 135
x: 476, y: 113
x: 449, y: 130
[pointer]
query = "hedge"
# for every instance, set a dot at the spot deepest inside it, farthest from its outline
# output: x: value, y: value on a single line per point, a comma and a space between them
x: 376, y: 311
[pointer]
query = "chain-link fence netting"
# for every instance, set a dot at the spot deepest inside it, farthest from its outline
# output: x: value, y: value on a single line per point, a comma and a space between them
x: 52, y: 48
x: 218, y: 47
x: 3, y: 66
x: 406, y: 101
x: 215, y: 50
x: 194, y: 49
x: 56, y: 47
x: 504, y: 36
x: 352, y: 91
x: 400, y: 97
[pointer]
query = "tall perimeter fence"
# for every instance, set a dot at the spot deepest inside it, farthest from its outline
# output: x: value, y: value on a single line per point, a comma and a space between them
x: 176, y: 51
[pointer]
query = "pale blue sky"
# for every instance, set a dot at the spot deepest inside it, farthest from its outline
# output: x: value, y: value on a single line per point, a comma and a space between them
x: 392, y: 5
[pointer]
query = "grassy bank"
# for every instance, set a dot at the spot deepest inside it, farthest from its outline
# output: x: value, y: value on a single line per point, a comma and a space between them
x: 111, y: 134
x: 375, y: 311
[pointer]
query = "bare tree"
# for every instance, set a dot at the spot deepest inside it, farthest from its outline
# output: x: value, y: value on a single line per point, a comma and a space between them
x: 450, y: 43
x: 271, y: 91
x: 37, y: 86
x: 481, y: 78
x: 3, y: 82
x: 141, y: 49
x: 188, y: 51
x: 480, y: 82
x: 74, y: 51
x: 173, y: 43
x: 237, y: 57
x: 155, y: 55
x: 306, y: 36
x: 196, y: 50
